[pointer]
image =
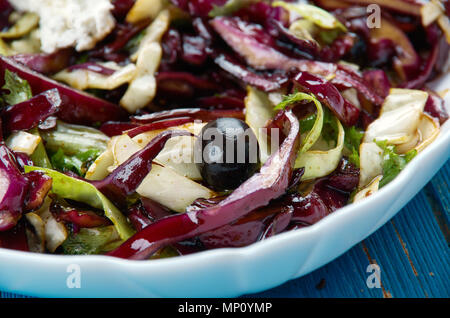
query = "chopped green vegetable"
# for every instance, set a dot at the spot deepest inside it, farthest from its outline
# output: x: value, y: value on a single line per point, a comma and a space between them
x: 353, y: 137
x: 330, y: 128
x: 393, y: 163
x: 307, y: 123
x: 314, y: 132
x: 39, y: 156
x: 73, y: 139
x: 328, y: 36
x: 165, y: 252
x: 19, y: 89
x: 70, y: 188
x: 91, y: 241
x: 78, y: 163
x: 319, y: 16
x: 229, y: 7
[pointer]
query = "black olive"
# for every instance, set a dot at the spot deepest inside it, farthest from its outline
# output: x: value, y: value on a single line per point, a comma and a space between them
x: 227, y: 153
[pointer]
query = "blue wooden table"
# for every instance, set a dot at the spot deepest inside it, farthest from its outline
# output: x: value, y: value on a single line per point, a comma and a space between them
x: 411, y: 252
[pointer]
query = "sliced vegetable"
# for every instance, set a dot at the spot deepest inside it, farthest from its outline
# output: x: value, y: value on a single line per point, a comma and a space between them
x: 29, y: 114
x: 78, y: 163
x: 76, y: 107
x: 300, y: 35
x: 99, y: 169
x: 126, y: 178
x: 142, y: 88
x: 19, y: 89
x: 370, y: 162
x: 193, y: 113
x: 145, y: 9
x: 270, y: 183
x: 22, y: 141
x: 328, y: 94
x: 436, y: 108
x: 319, y: 163
x: 23, y: 26
x: 55, y: 231
x: 370, y: 189
x: 38, y: 188
x: 229, y: 7
x: 13, y: 190
x: 322, y: 18
x: 314, y: 133
x: 178, y: 153
x: 5, y: 49
x: 115, y: 128
x: 78, y: 190
x: 36, y: 239
x: 428, y: 130
x: 82, y: 78
x: 39, y: 156
x: 154, y: 32
x: 73, y: 139
x: 240, y: 36
x: 399, y: 118
x: 80, y: 218
x: 258, y: 111
x: 406, y: 62
x: 264, y: 82
x: 45, y: 63
x: 171, y: 189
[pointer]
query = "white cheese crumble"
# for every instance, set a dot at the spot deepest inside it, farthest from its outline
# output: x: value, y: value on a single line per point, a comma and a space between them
x: 70, y: 23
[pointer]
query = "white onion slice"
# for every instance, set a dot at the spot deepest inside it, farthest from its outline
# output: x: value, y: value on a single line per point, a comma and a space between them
x: 258, y: 111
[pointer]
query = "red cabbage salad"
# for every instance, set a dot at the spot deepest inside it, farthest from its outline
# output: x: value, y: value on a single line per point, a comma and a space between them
x: 145, y: 129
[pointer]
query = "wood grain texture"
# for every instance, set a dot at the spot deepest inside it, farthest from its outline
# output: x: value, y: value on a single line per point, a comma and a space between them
x: 412, y: 251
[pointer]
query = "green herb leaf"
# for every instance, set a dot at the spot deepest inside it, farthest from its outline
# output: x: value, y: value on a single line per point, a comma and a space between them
x: 330, y: 129
x: 329, y: 36
x: 229, y: 7
x: 393, y: 163
x: 316, y: 129
x: 352, y: 141
x: 90, y: 241
x: 39, y: 156
x: 19, y: 89
x: 78, y: 163
x: 307, y: 123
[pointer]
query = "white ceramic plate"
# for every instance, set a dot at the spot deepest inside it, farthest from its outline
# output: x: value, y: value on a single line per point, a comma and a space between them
x: 227, y: 272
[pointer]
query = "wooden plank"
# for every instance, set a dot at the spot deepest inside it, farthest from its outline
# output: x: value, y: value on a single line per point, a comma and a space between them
x: 426, y: 247
x: 344, y: 277
x: 439, y: 199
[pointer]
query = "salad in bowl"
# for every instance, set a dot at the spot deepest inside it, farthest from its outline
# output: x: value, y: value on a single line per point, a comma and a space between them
x: 152, y: 128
